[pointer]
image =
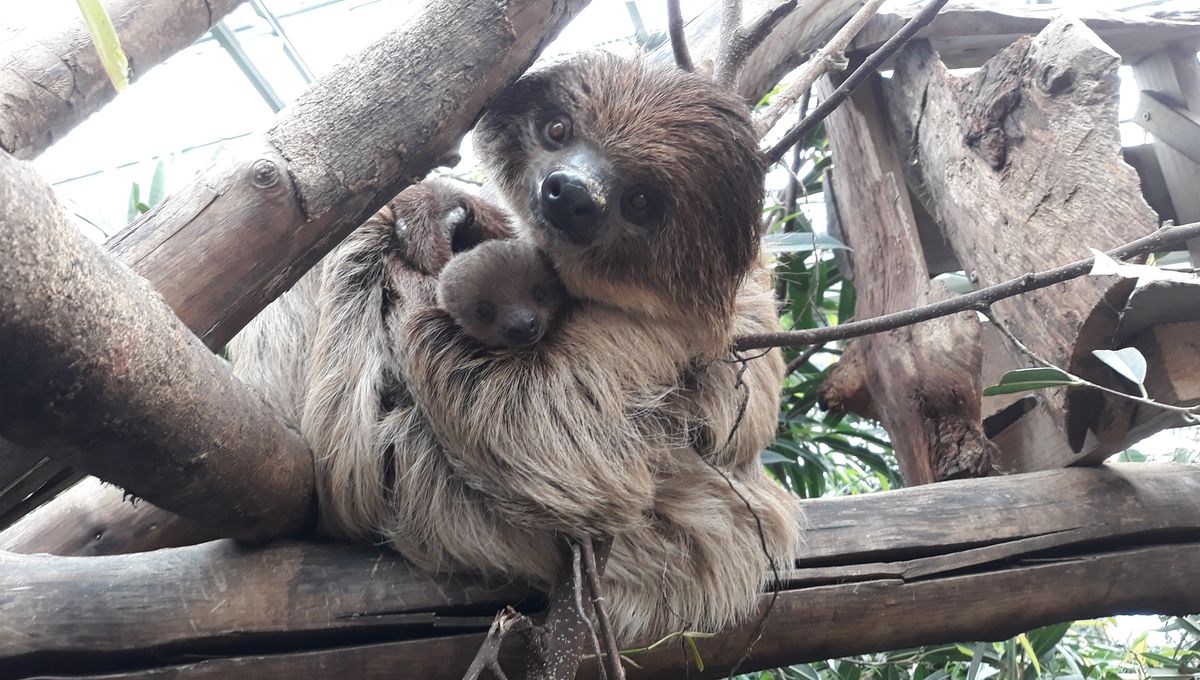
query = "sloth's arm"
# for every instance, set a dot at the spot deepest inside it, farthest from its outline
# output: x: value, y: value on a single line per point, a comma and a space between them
x: 567, y: 436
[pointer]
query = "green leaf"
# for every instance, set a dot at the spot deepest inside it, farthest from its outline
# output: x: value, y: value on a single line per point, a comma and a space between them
x: 1127, y: 361
x: 135, y: 197
x: 108, y: 46
x: 1033, y: 657
x: 770, y: 457
x: 695, y: 652
x: 158, y: 184
x: 1024, y: 379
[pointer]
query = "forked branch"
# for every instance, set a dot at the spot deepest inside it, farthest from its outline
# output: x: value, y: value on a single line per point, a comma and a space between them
x: 1167, y: 238
x: 738, y: 42
x: 869, y: 66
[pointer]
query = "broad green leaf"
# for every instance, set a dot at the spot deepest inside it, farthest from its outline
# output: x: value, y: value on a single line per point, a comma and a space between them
x: 135, y: 197
x: 770, y: 457
x: 1127, y: 361
x: 1024, y: 379
x: 108, y: 46
x: 158, y: 184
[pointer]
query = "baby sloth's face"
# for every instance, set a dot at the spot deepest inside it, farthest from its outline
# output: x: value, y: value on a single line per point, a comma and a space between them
x: 503, y: 293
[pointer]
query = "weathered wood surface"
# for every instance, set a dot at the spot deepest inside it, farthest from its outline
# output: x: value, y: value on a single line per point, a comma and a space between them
x: 51, y: 78
x: 222, y: 248
x: 94, y: 518
x: 795, y: 38
x: 27, y: 477
x: 99, y: 368
x: 919, y: 563
x: 1174, y: 75
x: 966, y: 34
x: 1017, y: 161
x: 923, y: 380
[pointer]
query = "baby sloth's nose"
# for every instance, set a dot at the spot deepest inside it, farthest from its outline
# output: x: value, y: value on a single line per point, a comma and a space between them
x: 523, y: 329
x: 567, y: 203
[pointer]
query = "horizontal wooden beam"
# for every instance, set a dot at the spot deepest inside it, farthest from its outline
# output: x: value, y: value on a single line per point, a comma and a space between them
x: 966, y: 34
x: 918, y: 564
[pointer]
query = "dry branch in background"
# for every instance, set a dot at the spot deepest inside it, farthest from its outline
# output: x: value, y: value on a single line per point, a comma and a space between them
x: 51, y: 77
x: 1165, y: 239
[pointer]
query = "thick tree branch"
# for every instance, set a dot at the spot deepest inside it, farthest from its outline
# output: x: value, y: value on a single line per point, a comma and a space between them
x: 869, y: 66
x: 52, y: 78
x: 678, y: 39
x: 98, y: 366
x: 743, y: 40
x: 831, y: 53
x: 1166, y: 238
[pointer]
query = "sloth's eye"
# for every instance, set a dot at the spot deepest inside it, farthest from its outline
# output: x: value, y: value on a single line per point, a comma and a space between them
x: 539, y: 294
x: 642, y: 205
x: 557, y: 131
x: 485, y: 310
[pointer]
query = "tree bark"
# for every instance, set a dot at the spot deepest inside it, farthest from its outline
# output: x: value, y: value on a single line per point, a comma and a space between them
x: 96, y: 366
x: 51, y: 78
x: 920, y: 564
x: 1020, y: 162
x: 923, y: 380
x: 221, y: 249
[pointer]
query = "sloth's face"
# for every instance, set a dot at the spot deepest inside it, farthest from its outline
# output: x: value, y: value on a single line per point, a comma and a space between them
x: 643, y: 185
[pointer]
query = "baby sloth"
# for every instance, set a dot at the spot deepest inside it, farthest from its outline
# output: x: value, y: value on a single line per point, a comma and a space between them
x: 503, y: 293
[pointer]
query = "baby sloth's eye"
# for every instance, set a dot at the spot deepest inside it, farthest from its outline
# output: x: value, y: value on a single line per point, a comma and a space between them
x: 485, y: 310
x: 557, y: 131
x: 642, y: 205
x: 539, y: 294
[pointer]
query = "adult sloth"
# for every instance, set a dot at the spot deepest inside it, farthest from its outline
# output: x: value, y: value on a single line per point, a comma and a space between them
x: 643, y: 187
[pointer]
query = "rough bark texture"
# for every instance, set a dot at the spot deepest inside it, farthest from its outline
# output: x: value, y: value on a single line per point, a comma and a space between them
x: 966, y: 34
x: 221, y: 249
x: 94, y: 518
x: 920, y: 564
x: 791, y: 42
x: 95, y: 363
x: 331, y: 159
x: 923, y: 379
x: 51, y: 78
x: 1018, y: 161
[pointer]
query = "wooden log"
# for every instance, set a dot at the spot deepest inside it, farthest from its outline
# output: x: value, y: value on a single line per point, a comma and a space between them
x: 917, y: 563
x: 1172, y: 74
x: 51, y: 77
x: 94, y: 518
x: 791, y: 42
x: 222, y: 248
x: 96, y: 366
x: 923, y: 380
x: 967, y: 34
x: 1021, y: 164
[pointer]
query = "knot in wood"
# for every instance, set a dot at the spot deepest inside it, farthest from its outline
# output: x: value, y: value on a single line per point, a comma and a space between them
x: 264, y: 173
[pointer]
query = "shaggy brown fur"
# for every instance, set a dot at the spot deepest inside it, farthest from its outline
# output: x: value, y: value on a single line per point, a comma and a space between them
x: 619, y: 422
x: 502, y: 293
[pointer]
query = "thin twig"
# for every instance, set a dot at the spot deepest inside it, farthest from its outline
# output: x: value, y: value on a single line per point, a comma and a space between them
x: 678, y: 39
x: 577, y: 572
x: 612, y: 653
x: 1162, y: 239
x: 745, y: 40
x: 1026, y: 350
x: 869, y: 66
x: 799, y: 361
x: 507, y: 620
x: 833, y: 52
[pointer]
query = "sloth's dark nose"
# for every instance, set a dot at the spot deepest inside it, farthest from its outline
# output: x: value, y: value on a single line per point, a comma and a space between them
x: 567, y: 203
x: 523, y: 331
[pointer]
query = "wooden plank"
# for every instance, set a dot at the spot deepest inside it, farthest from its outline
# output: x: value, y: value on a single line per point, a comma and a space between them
x: 1016, y: 596
x: 1015, y: 160
x: 1174, y: 125
x: 967, y: 34
x: 218, y: 597
x: 1143, y: 158
x: 1173, y: 74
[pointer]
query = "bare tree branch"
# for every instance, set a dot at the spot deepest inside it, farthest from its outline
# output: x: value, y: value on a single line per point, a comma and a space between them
x: 742, y: 42
x: 612, y: 667
x: 869, y: 66
x: 507, y: 620
x: 1166, y: 238
x: 833, y: 52
x: 803, y: 358
x: 678, y: 40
